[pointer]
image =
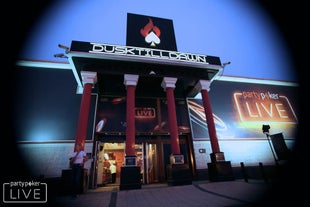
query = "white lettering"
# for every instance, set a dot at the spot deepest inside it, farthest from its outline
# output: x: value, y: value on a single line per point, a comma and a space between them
x: 26, y: 195
x: 201, y: 59
x: 130, y: 51
x: 183, y: 56
x: 153, y: 53
x: 173, y: 55
x: 147, y: 52
x: 139, y: 51
x: 120, y: 50
x: 191, y: 57
x: 106, y: 49
x: 36, y: 193
x: 281, y: 110
x: 97, y: 48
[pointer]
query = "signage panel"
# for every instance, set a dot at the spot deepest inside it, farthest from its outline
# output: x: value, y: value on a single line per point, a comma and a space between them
x: 240, y: 109
x: 139, y: 53
x: 150, y: 32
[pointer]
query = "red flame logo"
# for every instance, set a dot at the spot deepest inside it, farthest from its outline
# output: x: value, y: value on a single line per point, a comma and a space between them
x: 148, y: 28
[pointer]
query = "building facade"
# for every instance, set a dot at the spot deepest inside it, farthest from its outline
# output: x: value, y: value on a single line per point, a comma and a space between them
x: 47, y: 110
x: 148, y: 107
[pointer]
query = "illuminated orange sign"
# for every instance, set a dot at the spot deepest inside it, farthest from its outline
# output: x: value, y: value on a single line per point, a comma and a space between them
x: 255, y: 106
x: 144, y: 113
x: 151, y: 33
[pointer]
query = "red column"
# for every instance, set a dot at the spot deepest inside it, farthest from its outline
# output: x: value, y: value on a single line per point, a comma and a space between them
x: 169, y: 84
x: 130, y: 82
x: 88, y: 79
x: 204, y: 86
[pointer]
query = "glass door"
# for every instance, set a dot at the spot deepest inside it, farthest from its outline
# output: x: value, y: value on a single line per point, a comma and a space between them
x: 151, y: 163
x: 147, y: 160
x: 139, y: 149
x: 110, y: 154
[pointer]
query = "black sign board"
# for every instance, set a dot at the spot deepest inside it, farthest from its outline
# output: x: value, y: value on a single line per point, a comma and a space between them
x: 150, y: 32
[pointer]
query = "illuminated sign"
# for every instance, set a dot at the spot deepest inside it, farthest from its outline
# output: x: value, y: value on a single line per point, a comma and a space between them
x: 261, y: 106
x: 240, y: 109
x: 150, y: 32
x: 136, y: 53
x: 151, y: 115
x: 146, y: 52
x: 144, y: 113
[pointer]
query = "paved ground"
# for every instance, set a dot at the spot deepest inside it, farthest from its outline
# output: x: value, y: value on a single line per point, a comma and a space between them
x: 199, y: 194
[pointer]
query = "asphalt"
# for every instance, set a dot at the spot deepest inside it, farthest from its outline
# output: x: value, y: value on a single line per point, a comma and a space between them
x: 198, y: 194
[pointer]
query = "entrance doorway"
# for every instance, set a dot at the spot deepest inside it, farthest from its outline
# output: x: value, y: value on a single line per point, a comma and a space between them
x: 113, y: 155
x: 147, y: 159
x: 109, y: 155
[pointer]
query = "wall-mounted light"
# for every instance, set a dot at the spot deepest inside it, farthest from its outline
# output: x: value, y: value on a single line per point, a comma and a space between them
x: 64, y: 47
x: 226, y: 63
x: 60, y: 55
x: 265, y: 129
